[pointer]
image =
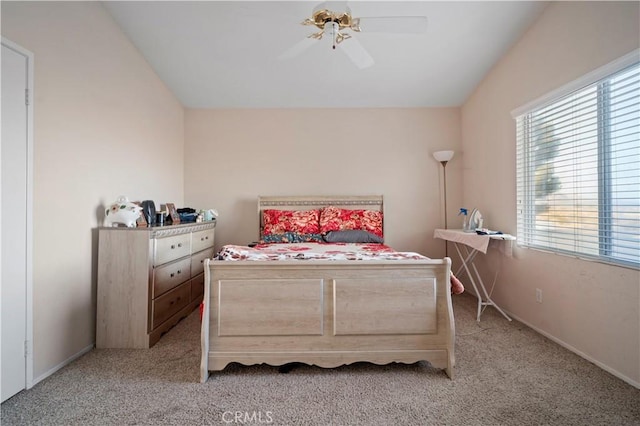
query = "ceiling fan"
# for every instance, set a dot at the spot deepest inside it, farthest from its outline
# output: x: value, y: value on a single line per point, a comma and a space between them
x: 339, y: 26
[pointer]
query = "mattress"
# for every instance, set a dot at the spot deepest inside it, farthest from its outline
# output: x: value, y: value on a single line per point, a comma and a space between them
x: 315, y: 251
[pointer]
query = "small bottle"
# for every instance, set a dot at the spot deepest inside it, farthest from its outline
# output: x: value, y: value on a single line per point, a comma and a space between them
x: 465, y: 222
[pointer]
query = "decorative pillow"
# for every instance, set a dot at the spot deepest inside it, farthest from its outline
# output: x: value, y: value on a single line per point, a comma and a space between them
x: 281, y: 221
x: 352, y: 236
x: 291, y: 237
x: 336, y: 219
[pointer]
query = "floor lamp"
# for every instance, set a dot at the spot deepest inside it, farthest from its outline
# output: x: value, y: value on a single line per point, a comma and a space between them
x: 444, y: 157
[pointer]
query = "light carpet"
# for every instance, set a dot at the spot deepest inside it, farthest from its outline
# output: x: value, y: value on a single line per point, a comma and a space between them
x: 505, y: 374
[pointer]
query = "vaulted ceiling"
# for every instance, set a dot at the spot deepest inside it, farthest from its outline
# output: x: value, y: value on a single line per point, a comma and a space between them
x: 228, y: 54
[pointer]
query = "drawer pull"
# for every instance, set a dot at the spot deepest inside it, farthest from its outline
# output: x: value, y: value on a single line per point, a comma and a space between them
x: 179, y: 244
x: 173, y: 246
x: 173, y: 274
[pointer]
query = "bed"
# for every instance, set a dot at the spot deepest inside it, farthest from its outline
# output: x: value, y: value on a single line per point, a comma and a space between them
x: 325, y: 312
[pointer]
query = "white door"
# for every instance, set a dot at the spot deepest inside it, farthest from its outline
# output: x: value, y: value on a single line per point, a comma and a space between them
x: 15, y: 214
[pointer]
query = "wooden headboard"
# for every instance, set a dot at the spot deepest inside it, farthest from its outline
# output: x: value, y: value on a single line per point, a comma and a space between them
x: 308, y: 202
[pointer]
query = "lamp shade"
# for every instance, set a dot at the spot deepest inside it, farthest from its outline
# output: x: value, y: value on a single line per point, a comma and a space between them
x: 443, y: 155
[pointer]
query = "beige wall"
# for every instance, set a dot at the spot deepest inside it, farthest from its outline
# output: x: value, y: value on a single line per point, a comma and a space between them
x: 590, y: 307
x: 105, y: 126
x: 232, y: 156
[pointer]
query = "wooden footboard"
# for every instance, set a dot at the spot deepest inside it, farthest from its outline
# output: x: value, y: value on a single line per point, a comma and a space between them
x: 327, y: 313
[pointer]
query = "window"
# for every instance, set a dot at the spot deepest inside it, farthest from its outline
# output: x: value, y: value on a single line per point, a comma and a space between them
x: 578, y: 167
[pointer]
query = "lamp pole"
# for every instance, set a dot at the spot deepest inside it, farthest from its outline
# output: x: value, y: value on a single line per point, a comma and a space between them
x: 444, y: 157
x: 444, y: 172
x: 444, y: 175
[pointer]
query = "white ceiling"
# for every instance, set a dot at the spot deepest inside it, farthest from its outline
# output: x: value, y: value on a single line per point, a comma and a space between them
x: 224, y: 54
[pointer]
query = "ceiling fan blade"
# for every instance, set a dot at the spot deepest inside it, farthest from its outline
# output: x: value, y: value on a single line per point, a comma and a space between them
x: 297, y: 48
x: 394, y: 24
x: 357, y: 53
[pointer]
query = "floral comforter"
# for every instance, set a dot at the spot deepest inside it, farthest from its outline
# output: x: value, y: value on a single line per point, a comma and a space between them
x: 315, y: 251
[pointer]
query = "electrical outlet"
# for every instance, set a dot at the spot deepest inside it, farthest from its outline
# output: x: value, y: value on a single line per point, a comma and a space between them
x: 538, y: 295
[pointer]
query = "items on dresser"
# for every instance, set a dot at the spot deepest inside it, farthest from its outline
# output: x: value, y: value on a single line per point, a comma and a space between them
x: 149, y: 211
x: 123, y: 212
x: 148, y: 280
x: 187, y: 214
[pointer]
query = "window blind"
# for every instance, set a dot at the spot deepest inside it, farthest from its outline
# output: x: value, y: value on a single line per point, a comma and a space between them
x: 578, y: 171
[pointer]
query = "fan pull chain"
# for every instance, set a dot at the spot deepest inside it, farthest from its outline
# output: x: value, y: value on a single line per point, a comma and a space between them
x: 334, y: 33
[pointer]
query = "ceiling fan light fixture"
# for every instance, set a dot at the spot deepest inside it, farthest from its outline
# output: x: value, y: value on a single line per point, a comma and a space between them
x: 331, y: 29
x: 338, y: 26
x: 342, y: 37
x: 317, y: 36
x: 355, y: 25
x: 321, y: 17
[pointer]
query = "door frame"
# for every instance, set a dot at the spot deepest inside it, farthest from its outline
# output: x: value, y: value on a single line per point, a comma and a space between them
x: 29, y: 219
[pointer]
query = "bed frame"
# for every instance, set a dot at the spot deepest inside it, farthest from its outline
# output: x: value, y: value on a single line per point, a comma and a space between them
x: 326, y: 313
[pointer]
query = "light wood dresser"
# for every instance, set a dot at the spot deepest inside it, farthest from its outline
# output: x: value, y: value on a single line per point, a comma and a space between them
x: 149, y: 278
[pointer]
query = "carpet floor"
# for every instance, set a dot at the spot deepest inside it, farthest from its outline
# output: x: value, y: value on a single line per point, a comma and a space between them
x: 505, y: 374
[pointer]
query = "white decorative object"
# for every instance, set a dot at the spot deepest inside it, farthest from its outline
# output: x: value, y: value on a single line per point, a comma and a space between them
x: 122, y: 211
x: 211, y: 214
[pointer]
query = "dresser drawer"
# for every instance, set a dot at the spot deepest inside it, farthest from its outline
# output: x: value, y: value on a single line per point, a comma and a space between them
x: 170, y: 303
x: 172, y: 248
x: 197, y: 261
x: 197, y: 287
x: 170, y: 275
x: 202, y: 240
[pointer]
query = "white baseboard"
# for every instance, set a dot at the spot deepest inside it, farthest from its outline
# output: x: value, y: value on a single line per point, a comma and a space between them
x: 61, y: 365
x: 569, y: 347
x: 577, y: 352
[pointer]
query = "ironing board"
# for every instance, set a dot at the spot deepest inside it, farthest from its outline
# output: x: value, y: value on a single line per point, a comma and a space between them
x: 468, y: 245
